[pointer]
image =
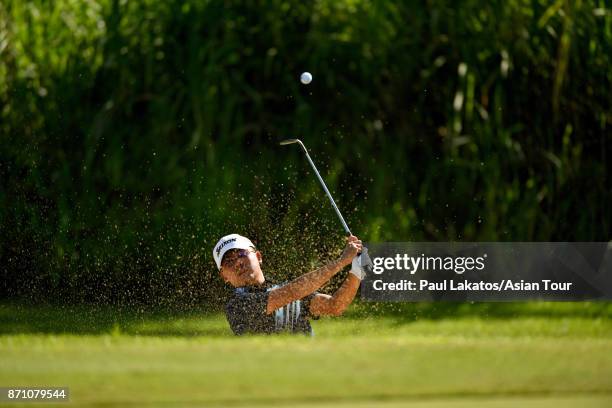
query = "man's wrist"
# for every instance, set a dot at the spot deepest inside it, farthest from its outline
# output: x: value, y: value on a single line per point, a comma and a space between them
x: 352, y: 275
x: 343, y: 262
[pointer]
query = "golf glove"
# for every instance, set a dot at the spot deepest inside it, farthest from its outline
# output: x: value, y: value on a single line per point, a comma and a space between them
x: 361, y: 265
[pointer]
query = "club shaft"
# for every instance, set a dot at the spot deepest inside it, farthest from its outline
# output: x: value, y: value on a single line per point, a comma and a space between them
x: 331, y: 199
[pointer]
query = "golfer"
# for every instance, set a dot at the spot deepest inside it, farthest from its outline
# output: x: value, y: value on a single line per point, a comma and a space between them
x: 257, y: 306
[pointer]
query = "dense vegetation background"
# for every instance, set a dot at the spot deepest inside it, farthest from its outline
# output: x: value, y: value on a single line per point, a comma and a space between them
x: 135, y: 133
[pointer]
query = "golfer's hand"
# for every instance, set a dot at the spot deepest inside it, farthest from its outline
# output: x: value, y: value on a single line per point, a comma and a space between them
x: 353, y: 246
x: 361, y: 264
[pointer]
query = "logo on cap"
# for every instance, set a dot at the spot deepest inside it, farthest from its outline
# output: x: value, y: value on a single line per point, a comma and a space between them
x: 224, y: 243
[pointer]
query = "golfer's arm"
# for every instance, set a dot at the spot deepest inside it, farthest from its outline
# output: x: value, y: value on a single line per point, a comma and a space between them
x: 335, y: 305
x: 302, y: 286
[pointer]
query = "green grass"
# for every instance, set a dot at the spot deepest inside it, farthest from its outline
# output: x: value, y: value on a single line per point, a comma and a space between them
x: 536, y: 355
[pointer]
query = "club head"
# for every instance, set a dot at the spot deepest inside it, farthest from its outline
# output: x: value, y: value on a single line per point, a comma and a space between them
x: 289, y: 141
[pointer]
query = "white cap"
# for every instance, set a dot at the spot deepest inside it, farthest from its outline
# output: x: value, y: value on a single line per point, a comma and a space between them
x: 231, y: 241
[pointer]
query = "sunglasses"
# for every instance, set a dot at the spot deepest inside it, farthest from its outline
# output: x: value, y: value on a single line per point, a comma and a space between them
x: 230, y: 259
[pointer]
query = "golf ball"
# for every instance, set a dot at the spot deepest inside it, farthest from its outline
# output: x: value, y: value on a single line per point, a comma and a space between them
x: 305, y: 78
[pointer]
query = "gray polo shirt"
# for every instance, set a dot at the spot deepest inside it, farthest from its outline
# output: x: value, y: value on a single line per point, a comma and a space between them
x: 246, y: 313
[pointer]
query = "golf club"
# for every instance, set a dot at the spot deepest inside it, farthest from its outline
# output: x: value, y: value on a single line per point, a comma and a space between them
x: 365, y: 260
x: 331, y: 199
